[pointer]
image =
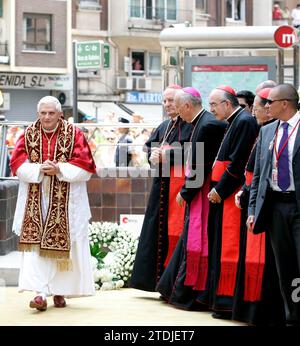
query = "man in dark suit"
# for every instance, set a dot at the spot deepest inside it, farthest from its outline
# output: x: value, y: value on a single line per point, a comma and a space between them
x: 275, y: 192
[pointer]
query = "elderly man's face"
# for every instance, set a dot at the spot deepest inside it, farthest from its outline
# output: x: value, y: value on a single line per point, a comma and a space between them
x: 261, y: 112
x: 169, y: 102
x: 218, y: 104
x: 49, y: 116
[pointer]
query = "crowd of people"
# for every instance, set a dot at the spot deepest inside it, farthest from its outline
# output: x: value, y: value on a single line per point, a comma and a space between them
x: 283, y: 16
x: 222, y: 227
x: 106, y: 142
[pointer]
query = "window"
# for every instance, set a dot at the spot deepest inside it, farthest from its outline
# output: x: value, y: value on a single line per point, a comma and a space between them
x: 171, y: 10
x: 37, y: 32
x: 137, y: 63
x: 201, y: 5
x: 154, y: 64
x: 145, y: 63
x: 154, y: 9
x: 235, y: 9
x: 96, y: 2
x: 136, y: 9
x: 89, y: 4
x: 149, y: 9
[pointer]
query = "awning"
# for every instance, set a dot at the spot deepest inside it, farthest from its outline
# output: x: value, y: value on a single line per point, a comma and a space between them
x: 151, y: 113
x: 87, y: 109
x: 100, y: 110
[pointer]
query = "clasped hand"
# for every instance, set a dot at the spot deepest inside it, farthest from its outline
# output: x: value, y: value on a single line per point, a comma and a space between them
x: 50, y: 167
x: 155, y: 155
x: 214, y: 197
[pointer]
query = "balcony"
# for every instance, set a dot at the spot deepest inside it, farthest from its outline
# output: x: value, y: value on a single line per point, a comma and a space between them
x: 4, y: 56
x: 202, y: 19
x: 156, y: 18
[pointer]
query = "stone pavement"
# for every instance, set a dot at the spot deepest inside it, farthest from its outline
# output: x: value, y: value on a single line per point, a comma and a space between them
x: 125, y: 307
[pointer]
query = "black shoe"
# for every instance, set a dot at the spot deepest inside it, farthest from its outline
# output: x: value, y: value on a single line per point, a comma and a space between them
x: 161, y: 297
x: 293, y: 324
x: 222, y: 315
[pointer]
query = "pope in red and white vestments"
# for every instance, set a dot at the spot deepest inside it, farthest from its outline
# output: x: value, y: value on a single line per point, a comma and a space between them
x: 53, y: 212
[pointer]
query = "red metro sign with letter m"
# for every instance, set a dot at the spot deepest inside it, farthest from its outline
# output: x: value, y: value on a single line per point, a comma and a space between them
x: 285, y: 36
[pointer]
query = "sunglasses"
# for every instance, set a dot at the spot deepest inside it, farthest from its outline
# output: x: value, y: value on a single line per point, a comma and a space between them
x: 271, y: 101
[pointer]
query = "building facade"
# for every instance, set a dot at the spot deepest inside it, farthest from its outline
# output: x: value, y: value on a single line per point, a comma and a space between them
x: 132, y: 29
x: 35, y: 54
x: 36, y: 49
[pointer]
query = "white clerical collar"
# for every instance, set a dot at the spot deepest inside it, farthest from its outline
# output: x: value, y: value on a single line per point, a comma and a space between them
x: 235, y: 111
x: 202, y: 109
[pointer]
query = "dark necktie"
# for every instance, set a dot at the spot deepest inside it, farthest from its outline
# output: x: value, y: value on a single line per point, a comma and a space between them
x: 283, y: 161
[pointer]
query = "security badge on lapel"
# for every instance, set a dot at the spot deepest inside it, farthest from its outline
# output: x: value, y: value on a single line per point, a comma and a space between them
x: 275, y: 169
x: 275, y: 175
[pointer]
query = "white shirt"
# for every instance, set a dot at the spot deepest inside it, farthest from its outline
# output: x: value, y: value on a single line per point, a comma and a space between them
x: 296, y: 16
x: 292, y: 123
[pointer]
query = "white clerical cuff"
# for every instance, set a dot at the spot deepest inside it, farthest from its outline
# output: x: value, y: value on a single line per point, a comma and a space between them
x: 30, y: 173
x: 71, y: 173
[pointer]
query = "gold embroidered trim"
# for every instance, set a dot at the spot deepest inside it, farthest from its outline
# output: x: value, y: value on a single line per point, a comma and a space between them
x: 53, y: 237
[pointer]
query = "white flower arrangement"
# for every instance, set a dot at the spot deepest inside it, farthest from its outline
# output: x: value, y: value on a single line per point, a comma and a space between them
x: 113, y: 252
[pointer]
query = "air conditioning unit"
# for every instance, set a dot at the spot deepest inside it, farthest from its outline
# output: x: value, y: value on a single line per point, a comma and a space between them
x: 142, y: 83
x: 65, y: 97
x: 124, y: 83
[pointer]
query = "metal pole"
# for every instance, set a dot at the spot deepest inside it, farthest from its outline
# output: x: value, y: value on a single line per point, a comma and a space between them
x: 165, y: 58
x: 296, y: 66
x: 3, y: 151
x: 75, y: 110
x: 280, y: 66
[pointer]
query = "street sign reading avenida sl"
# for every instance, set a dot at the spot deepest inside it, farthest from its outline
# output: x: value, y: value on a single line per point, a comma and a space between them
x: 88, y: 54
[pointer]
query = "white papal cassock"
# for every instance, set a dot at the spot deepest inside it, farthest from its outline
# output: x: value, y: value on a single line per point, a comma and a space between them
x: 39, y: 273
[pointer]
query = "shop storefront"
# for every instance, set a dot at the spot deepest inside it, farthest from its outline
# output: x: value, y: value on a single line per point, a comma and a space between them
x: 23, y: 91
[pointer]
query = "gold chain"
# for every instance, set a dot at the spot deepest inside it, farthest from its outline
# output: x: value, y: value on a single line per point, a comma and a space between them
x: 49, y: 140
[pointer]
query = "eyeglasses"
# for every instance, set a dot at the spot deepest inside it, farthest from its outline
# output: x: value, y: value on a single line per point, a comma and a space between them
x: 271, y: 101
x: 214, y: 104
x: 258, y: 109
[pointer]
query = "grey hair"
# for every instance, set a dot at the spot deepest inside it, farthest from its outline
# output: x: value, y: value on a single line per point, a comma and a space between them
x: 47, y: 100
x: 231, y: 98
x: 185, y: 97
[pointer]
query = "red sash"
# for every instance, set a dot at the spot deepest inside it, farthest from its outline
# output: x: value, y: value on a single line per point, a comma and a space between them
x: 254, y: 261
x: 197, y: 243
x: 249, y: 177
x: 230, y: 246
x: 175, y: 212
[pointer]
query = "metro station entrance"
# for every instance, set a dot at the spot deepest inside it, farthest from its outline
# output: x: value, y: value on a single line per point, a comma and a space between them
x: 216, y: 43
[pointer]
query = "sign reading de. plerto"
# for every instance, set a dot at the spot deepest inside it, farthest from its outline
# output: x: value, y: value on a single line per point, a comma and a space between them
x: 88, y: 54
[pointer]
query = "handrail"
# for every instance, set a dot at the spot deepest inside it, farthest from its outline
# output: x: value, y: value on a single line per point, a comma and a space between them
x: 117, y: 125
x: 102, y: 145
x: 3, y: 151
